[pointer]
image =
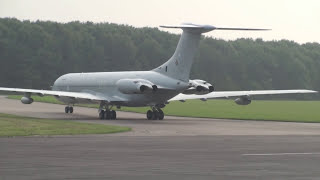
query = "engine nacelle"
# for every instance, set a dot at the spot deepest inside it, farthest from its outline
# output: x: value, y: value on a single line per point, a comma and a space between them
x: 135, y: 86
x: 26, y: 100
x: 242, y: 101
x: 199, y: 87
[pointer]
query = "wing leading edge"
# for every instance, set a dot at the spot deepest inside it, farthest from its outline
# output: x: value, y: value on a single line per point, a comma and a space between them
x: 78, y: 95
x: 226, y: 94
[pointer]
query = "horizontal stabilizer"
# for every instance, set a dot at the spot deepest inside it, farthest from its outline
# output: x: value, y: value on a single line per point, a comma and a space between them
x: 194, y: 27
x: 207, y: 28
x: 242, y: 29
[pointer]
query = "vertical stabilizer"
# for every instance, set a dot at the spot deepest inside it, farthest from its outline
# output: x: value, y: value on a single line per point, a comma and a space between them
x: 179, y: 65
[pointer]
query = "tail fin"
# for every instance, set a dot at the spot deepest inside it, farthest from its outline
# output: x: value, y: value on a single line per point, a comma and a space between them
x: 179, y: 65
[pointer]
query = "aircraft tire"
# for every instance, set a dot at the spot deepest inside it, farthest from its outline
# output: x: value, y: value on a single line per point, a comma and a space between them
x: 66, y: 109
x: 160, y: 115
x: 71, y: 109
x: 155, y: 115
x: 149, y: 114
x: 101, y: 114
x: 113, y: 114
x: 107, y: 115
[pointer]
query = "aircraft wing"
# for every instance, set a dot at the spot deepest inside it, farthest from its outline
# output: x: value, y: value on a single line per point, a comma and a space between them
x: 227, y: 94
x: 77, y: 95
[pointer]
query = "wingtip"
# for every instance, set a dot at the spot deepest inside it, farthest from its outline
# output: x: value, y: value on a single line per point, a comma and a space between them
x: 310, y: 91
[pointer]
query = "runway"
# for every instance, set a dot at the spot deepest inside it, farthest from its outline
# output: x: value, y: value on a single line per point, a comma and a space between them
x: 175, y: 148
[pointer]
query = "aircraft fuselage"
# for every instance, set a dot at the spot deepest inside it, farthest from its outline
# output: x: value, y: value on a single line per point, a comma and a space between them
x: 105, y: 84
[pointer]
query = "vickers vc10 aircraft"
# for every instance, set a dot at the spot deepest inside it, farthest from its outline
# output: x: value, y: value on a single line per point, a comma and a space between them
x: 154, y: 88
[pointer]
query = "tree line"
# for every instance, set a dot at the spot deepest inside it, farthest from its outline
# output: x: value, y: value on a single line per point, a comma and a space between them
x: 34, y: 54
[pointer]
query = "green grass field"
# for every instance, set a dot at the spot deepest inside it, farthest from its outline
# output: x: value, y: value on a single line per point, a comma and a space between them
x: 11, y: 125
x: 298, y: 111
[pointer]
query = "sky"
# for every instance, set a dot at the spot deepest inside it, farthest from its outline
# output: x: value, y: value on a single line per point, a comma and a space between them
x: 297, y: 20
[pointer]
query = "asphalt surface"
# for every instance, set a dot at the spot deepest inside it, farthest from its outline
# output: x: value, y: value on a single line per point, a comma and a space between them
x: 175, y: 148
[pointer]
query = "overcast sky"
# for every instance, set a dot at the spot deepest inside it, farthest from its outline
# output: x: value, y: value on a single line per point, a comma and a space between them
x: 297, y: 20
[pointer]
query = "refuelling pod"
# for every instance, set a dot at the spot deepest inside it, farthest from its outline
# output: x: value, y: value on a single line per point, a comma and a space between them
x: 26, y: 100
x: 244, y: 100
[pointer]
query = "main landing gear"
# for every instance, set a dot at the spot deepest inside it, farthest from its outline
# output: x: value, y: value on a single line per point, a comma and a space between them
x: 105, y: 112
x: 68, y: 109
x: 108, y: 114
x: 155, y: 114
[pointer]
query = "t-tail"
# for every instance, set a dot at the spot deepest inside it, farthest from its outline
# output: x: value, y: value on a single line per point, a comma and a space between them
x: 179, y: 65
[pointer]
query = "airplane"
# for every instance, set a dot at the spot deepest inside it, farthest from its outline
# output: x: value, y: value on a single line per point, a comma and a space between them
x: 155, y: 88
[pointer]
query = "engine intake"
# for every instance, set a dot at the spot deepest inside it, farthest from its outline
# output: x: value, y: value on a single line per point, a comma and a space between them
x: 199, y: 87
x: 211, y: 88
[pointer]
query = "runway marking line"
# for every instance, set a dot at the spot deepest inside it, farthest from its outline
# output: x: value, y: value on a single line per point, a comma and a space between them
x: 282, y: 154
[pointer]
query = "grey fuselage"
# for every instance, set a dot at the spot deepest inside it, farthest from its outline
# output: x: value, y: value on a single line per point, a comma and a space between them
x: 104, y: 84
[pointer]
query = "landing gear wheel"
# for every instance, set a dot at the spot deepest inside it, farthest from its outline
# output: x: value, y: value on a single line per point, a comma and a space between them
x: 113, y: 114
x: 71, y: 109
x: 107, y: 115
x: 66, y: 109
x: 101, y: 114
x: 155, y: 115
x: 149, y: 114
x: 160, y: 114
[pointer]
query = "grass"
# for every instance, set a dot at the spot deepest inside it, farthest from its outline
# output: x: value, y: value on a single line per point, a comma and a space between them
x: 296, y: 111
x: 11, y: 125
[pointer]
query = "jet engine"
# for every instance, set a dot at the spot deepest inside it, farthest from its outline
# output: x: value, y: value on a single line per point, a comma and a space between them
x: 244, y: 100
x: 135, y: 86
x: 199, y: 87
x: 26, y: 100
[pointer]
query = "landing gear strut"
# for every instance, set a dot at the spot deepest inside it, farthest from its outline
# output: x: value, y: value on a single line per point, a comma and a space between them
x: 68, y: 109
x: 107, y: 113
x: 155, y: 114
